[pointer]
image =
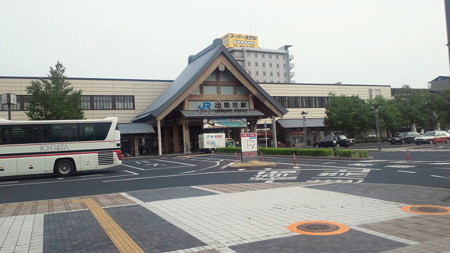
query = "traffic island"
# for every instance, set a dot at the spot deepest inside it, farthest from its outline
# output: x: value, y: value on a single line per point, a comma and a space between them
x: 253, y: 165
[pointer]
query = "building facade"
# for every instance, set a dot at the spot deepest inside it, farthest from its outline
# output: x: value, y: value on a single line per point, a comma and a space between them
x: 263, y: 65
x: 166, y: 116
x: 439, y: 83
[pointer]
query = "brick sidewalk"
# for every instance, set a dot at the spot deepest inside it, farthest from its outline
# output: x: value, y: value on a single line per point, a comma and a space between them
x: 235, y: 218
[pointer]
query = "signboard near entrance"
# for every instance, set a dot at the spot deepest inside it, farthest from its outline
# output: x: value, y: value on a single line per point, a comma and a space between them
x: 249, y: 146
x: 224, y: 123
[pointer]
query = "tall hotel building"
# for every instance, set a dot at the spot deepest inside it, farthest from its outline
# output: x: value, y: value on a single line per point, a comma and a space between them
x: 263, y: 65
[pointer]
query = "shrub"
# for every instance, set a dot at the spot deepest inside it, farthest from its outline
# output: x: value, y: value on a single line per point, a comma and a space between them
x: 302, y: 152
x: 351, y: 153
x: 283, y: 151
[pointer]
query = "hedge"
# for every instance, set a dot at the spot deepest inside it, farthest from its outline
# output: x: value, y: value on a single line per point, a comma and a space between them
x: 301, y: 152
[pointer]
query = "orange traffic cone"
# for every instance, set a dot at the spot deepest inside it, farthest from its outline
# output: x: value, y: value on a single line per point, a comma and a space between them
x: 408, y: 158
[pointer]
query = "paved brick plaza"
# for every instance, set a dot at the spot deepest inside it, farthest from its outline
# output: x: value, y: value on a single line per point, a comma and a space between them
x: 234, y: 218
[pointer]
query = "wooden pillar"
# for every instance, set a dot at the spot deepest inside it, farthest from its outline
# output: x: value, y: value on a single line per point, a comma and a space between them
x: 136, y: 145
x: 186, y: 137
x: 253, y: 126
x: 274, y: 132
x: 176, y: 138
x: 167, y: 138
x: 159, y: 137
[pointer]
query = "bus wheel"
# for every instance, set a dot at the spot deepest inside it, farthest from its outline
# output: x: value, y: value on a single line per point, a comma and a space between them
x: 64, y: 167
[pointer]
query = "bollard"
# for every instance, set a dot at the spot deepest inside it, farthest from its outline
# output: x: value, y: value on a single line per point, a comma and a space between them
x: 295, y: 160
x: 262, y: 157
x: 235, y: 157
x: 408, y: 158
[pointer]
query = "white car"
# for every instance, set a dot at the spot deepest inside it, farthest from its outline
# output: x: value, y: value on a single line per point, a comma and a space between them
x: 433, y: 137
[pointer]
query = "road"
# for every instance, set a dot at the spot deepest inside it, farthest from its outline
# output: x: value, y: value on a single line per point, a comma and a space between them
x: 428, y: 165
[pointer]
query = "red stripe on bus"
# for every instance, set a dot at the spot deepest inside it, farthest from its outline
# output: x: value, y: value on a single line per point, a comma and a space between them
x: 52, y: 154
x: 51, y: 143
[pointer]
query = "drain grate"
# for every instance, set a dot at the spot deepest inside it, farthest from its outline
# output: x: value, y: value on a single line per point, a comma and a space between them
x: 318, y: 228
x: 427, y: 209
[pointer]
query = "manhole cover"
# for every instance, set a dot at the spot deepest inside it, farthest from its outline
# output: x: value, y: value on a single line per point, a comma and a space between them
x: 427, y: 209
x: 318, y: 228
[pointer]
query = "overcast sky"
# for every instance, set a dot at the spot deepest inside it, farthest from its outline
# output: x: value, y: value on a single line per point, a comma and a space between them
x: 392, y: 42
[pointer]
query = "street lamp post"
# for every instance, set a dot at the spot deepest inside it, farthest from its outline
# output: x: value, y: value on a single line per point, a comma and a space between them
x: 377, y: 123
x: 304, y: 127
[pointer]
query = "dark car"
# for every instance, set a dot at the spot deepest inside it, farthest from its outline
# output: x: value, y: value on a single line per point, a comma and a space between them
x: 334, y: 141
x: 404, y: 137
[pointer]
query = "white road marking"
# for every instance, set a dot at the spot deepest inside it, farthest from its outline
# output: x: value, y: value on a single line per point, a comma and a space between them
x: 360, y: 164
x: 217, y: 164
x: 175, y: 175
x: 167, y: 161
x: 440, y: 176
x: 206, y: 189
x: 134, y: 173
x: 9, y: 182
x: 137, y: 168
x: 400, y: 166
x: 406, y: 171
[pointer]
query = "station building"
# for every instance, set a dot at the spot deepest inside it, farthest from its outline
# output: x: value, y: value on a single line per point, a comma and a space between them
x: 212, y: 94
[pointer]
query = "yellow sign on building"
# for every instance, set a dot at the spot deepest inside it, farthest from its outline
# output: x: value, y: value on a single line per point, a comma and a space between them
x: 240, y: 40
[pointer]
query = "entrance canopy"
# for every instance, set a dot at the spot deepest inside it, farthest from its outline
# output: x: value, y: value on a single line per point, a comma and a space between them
x: 298, y: 123
x: 135, y: 128
x: 222, y: 114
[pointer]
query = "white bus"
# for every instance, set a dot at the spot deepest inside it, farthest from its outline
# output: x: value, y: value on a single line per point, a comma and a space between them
x: 58, y: 146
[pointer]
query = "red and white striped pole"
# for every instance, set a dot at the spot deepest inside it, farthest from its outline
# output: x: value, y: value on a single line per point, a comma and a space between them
x: 295, y: 160
x: 235, y: 157
x: 408, y: 158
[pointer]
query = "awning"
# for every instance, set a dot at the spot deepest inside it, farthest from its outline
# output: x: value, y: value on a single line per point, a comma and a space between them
x: 298, y: 123
x: 222, y: 113
x: 135, y: 128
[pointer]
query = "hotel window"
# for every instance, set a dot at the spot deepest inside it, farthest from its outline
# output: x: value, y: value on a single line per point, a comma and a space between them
x: 256, y: 64
x: 264, y: 65
x: 256, y: 55
x: 278, y: 66
x: 249, y: 64
x: 270, y: 64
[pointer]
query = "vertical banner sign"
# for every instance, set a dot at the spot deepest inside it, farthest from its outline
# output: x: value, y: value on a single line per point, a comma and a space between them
x: 249, y: 145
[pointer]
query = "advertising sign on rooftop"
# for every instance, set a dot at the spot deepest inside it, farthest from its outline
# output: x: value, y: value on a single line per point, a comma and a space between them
x: 240, y: 40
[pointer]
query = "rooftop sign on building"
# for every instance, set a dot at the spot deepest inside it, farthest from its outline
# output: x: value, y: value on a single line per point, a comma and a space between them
x: 240, y: 40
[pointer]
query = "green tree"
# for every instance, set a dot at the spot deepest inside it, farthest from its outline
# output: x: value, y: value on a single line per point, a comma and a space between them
x: 349, y: 114
x: 419, y: 106
x: 391, y: 118
x: 54, y: 98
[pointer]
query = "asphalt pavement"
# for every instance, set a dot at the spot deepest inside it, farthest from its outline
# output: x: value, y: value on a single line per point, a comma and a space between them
x: 333, y: 208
